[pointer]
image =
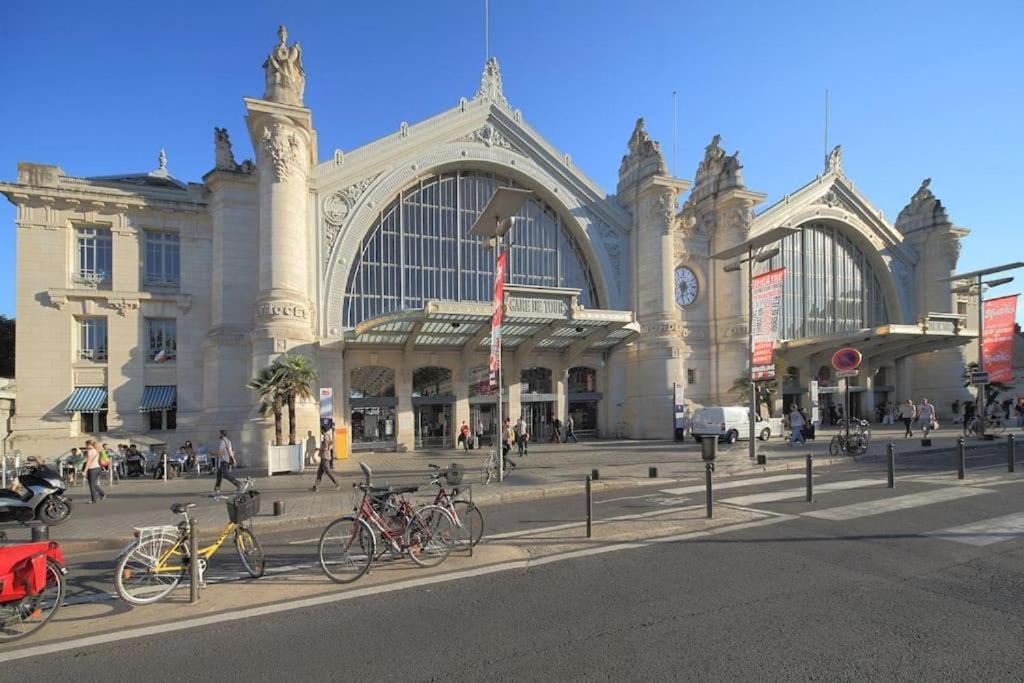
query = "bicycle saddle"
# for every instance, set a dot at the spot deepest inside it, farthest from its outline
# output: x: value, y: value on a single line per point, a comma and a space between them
x: 182, y: 508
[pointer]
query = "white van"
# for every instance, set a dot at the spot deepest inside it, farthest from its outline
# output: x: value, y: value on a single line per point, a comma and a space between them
x: 731, y: 423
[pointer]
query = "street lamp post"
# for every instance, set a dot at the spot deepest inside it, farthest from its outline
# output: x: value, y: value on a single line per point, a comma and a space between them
x: 979, y: 285
x: 494, y: 222
x: 748, y: 248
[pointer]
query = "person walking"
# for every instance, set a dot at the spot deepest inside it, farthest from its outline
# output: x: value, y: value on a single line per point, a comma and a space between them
x: 326, y: 460
x: 955, y: 409
x: 464, y: 436
x: 520, y: 433
x: 570, y: 429
x: 907, y: 413
x: 926, y: 414
x: 969, y: 413
x: 556, y: 431
x: 796, y: 425
x: 93, y: 469
x: 508, y: 437
x: 225, y: 460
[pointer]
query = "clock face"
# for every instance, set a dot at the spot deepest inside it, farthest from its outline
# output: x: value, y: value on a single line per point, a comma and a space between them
x: 686, y: 286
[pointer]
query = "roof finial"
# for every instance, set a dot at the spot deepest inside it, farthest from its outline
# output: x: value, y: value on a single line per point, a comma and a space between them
x: 834, y: 161
x: 282, y: 34
x: 490, y: 84
x: 163, y: 160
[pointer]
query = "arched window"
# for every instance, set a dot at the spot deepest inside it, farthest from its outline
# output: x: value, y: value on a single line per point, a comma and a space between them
x: 420, y: 249
x: 582, y: 380
x: 432, y: 381
x: 829, y: 287
x: 480, y: 382
x: 372, y: 381
x: 536, y: 380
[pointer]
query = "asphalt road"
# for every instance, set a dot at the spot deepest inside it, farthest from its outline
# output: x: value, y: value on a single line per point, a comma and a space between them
x: 923, y: 581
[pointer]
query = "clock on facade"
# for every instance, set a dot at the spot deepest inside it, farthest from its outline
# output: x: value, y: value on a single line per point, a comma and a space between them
x: 686, y: 286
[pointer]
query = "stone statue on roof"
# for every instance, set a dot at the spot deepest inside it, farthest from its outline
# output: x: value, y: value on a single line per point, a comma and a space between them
x: 286, y: 79
x: 224, y: 156
x: 834, y: 161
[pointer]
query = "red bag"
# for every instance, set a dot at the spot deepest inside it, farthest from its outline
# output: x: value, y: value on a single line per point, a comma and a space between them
x: 23, y: 568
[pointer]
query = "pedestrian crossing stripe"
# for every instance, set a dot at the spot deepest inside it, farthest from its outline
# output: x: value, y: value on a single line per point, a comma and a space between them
x: 985, y: 532
x: 884, y: 505
x: 794, y: 494
x: 734, y: 484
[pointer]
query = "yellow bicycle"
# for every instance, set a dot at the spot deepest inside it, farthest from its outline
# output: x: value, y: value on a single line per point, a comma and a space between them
x: 155, y: 563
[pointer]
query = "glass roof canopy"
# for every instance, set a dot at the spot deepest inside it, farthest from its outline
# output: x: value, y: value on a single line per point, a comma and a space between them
x: 467, y: 326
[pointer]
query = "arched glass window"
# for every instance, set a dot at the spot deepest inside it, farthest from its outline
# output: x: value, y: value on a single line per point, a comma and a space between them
x: 829, y: 286
x: 420, y: 249
x: 536, y: 380
x: 372, y: 381
x: 480, y: 382
x: 432, y: 381
x: 582, y: 380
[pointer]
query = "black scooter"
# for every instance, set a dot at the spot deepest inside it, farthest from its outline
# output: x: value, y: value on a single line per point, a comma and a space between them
x: 42, y: 500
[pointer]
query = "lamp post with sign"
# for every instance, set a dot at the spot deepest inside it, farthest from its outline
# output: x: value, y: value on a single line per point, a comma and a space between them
x: 494, y: 222
x: 846, y: 361
x: 978, y: 287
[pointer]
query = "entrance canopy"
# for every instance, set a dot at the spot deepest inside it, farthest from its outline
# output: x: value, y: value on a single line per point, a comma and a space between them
x: 535, y: 318
x: 887, y: 342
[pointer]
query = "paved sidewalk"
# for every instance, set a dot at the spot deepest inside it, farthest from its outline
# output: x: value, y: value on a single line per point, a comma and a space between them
x: 549, y: 470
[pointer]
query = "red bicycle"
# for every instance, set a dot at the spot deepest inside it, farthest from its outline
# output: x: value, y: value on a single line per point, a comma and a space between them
x: 31, y: 587
x: 469, y: 521
x: 349, y: 544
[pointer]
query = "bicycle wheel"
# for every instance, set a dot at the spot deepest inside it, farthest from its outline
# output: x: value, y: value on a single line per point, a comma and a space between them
x: 19, y: 619
x: 430, y: 535
x: 997, y: 427
x: 834, y: 445
x: 346, y: 549
x: 137, y: 580
x: 250, y: 552
x: 468, y: 517
x: 858, y: 445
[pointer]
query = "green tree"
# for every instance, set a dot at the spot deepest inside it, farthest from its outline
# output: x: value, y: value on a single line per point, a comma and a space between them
x: 992, y: 390
x: 267, y: 385
x: 296, y: 377
x: 766, y: 390
x: 6, y: 346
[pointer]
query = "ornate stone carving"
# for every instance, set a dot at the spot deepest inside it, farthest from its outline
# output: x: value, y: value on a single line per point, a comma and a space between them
x: 281, y: 309
x: 489, y: 136
x: 223, y: 156
x: 490, y: 85
x: 739, y: 218
x: 923, y: 211
x: 286, y: 79
x: 123, y: 306
x: 337, y: 208
x: 834, y: 161
x: 339, y: 157
x: 285, y: 150
x: 644, y: 156
x: 717, y: 171
x: 666, y: 209
x: 953, y: 248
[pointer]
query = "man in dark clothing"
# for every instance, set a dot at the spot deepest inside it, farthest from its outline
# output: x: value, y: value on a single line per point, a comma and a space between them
x: 968, y: 415
x: 556, y: 431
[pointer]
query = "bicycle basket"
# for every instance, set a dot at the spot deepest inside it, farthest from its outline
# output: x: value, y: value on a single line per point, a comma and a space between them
x: 244, y: 506
x: 453, y: 475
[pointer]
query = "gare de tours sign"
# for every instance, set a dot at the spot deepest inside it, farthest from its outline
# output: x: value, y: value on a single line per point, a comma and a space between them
x: 519, y: 305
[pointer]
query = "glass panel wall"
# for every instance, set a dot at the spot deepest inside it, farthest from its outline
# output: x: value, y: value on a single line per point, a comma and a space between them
x: 420, y: 249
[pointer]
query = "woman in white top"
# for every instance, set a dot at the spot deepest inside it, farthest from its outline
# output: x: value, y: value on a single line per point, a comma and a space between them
x: 93, y: 470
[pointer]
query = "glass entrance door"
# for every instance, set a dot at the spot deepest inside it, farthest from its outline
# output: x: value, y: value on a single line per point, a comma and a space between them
x: 434, y: 426
x: 538, y: 416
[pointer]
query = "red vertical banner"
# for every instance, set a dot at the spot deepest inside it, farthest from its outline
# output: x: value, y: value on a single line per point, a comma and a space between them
x: 499, y: 307
x: 766, y: 294
x: 997, y: 338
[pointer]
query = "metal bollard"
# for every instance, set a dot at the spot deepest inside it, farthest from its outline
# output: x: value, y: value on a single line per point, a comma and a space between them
x: 278, y: 508
x: 1011, y: 452
x: 193, y: 563
x: 890, y: 451
x: 708, y: 469
x: 590, y: 506
x: 960, y: 458
x: 165, y: 466
x: 810, y: 478
x: 40, y: 532
x: 595, y: 475
x: 652, y: 472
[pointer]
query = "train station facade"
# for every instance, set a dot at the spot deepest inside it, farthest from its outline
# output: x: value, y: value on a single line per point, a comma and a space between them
x: 146, y: 303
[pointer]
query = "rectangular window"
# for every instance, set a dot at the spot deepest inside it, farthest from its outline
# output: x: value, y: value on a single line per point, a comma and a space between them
x: 94, y: 255
x: 691, y: 376
x: 94, y: 423
x: 163, y: 339
x: 163, y: 420
x: 961, y: 308
x: 163, y: 259
x: 92, y: 338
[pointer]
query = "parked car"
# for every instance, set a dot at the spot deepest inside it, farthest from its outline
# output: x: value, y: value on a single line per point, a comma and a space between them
x: 731, y: 423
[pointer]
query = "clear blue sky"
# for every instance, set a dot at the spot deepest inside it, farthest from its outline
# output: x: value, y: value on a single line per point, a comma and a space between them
x: 928, y: 89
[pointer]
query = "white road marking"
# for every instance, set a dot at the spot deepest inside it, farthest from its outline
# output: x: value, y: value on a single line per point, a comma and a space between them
x: 307, y: 603
x: 615, y: 500
x: 985, y: 532
x: 884, y: 505
x: 734, y: 484
x: 794, y: 494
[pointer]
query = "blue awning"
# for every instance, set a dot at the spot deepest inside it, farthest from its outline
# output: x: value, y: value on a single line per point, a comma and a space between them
x: 87, y: 400
x: 158, y: 398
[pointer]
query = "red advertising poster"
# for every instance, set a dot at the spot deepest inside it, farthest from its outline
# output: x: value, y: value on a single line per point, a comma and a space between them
x: 499, y: 306
x: 997, y: 338
x: 766, y: 292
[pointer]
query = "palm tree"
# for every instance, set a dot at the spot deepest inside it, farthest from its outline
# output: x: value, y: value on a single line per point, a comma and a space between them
x: 296, y: 376
x: 267, y: 385
x: 766, y: 389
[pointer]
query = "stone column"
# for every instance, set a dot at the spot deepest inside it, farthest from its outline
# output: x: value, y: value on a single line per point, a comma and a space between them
x: 405, y: 419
